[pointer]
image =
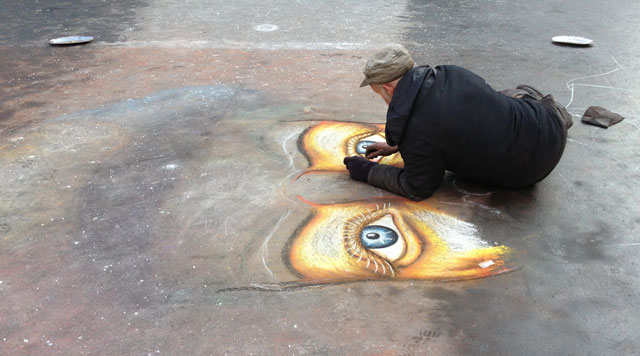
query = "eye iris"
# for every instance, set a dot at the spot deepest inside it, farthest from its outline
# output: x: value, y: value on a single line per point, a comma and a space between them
x: 377, y: 236
x: 361, y: 147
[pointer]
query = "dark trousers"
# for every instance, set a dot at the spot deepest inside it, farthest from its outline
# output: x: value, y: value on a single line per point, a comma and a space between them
x: 528, y: 92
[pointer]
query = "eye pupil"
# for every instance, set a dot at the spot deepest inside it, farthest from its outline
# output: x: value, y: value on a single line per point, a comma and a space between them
x: 373, y: 236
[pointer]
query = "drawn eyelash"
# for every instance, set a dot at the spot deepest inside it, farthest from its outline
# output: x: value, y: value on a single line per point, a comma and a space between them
x: 353, y: 245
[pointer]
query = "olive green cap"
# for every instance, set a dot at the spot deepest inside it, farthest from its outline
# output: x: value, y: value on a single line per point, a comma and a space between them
x: 387, y: 64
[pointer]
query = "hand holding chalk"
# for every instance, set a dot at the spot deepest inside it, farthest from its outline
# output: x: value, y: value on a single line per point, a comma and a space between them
x: 380, y: 149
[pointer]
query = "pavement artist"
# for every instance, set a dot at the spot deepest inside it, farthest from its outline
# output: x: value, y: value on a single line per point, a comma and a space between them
x: 448, y: 118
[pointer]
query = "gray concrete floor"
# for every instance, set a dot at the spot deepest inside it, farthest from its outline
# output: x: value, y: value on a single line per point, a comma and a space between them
x: 148, y: 202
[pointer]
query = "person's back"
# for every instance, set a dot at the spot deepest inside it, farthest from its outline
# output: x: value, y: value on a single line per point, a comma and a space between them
x: 479, y: 133
x: 448, y: 118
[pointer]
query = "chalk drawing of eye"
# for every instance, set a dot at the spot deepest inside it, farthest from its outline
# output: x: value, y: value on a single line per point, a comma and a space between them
x: 374, y: 239
x: 327, y: 143
x: 403, y: 240
x: 383, y: 240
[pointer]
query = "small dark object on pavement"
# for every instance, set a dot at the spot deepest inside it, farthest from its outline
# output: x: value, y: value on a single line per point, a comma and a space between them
x: 599, y: 116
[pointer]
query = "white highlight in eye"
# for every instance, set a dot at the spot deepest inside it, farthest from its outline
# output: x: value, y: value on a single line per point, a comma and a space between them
x: 397, y: 250
x: 374, y: 138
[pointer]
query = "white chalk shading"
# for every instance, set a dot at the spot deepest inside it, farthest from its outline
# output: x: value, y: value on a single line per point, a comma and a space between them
x: 632, y: 123
x: 286, y: 151
x: 476, y: 204
x: 266, y: 287
x: 486, y: 264
x: 264, y: 252
x: 471, y: 204
x: 460, y: 235
x: 291, y: 166
x: 595, y: 149
x: 464, y: 191
x: 602, y: 87
x: 579, y: 143
x: 287, y: 180
x: 617, y: 63
x: 571, y: 83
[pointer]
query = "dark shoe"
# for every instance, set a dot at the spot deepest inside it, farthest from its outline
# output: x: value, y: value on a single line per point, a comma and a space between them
x: 559, y: 110
x: 535, y: 93
x: 515, y: 93
x: 528, y: 92
x: 565, y: 116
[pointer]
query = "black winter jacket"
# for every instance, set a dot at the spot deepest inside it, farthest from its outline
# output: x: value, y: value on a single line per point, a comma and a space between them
x: 448, y: 118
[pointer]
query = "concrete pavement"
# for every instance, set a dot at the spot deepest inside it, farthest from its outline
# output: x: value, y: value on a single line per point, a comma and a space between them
x: 150, y: 206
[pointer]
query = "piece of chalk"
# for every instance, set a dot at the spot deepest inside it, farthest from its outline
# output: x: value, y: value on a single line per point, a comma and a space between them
x: 486, y: 264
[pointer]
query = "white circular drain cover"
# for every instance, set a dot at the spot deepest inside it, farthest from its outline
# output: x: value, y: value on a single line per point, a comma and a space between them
x: 267, y: 27
x: 71, y: 40
x: 574, y: 40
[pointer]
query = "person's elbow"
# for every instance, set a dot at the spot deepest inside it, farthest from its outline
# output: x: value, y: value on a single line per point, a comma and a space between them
x: 421, y: 190
x: 421, y: 193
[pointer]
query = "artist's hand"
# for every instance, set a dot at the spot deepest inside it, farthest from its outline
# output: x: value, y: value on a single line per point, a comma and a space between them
x: 358, y: 167
x: 380, y: 149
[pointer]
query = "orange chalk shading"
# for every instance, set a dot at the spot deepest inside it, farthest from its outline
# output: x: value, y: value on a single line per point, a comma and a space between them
x: 329, y: 142
x: 391, y: 238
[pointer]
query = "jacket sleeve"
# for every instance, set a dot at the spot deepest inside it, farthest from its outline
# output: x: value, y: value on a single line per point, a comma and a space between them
x: 421, y: 176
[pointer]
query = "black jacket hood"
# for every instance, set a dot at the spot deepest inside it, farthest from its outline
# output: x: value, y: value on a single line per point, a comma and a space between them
x: 401, y: 104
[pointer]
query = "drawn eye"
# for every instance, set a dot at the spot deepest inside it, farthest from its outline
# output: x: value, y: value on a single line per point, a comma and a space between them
x: 375, y: 240
x: 383, y: 238
x: 363, y: 240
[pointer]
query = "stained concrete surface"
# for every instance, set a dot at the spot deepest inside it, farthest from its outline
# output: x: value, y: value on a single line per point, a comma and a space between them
x: 148, y: 201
